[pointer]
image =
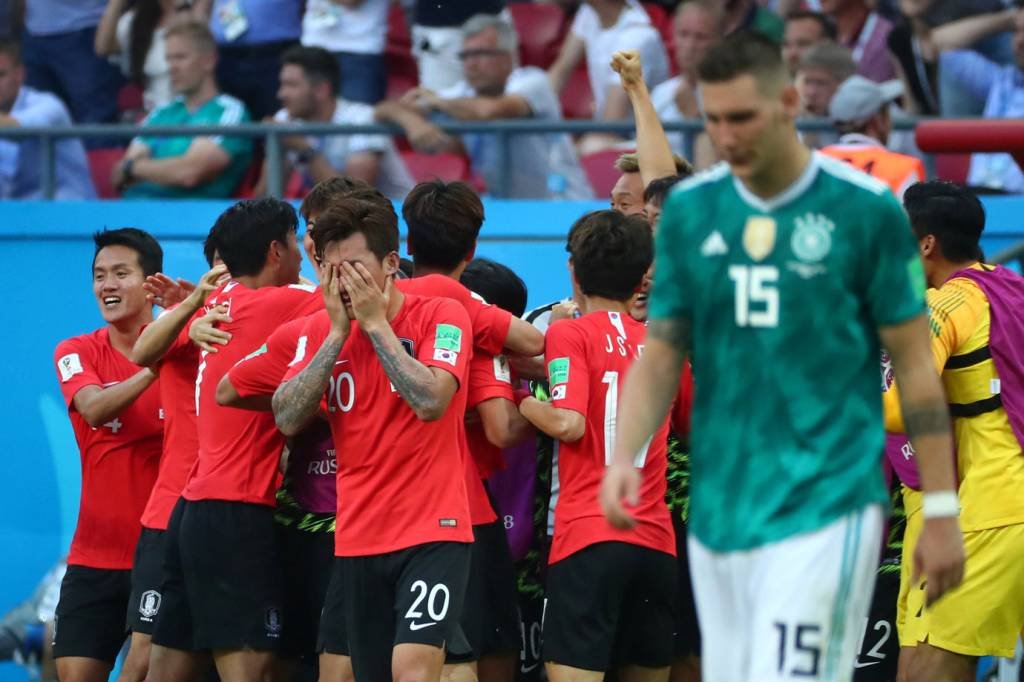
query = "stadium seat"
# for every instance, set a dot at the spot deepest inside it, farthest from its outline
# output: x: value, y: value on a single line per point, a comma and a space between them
x: 601, y: 171
x: 953, y: 167
x: 577, y: 99
x: 130, y: 105
x: 541, y: 29
x: 398, y: 36
x: 661, y: 20
x: 402, y: 73
x: 445, y: 167
x: 101, y: 164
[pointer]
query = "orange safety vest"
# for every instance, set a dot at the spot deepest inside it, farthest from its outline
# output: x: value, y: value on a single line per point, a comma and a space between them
x: 899, y: 171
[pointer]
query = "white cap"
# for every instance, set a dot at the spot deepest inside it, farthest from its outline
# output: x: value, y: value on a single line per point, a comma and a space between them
x: 857, y: 99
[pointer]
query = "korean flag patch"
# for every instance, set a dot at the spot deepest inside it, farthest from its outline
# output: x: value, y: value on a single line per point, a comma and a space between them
x: 445, y: 355
x: 69, y: 366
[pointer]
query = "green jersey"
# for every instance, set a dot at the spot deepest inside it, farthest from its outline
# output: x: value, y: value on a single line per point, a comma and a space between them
x: 220, y: 110
x: 784, y: 297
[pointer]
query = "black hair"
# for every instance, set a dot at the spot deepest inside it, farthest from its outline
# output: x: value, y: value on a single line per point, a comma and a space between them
x: 318, y: 64
x: 610, y: 253
x: 497, y: 284
x: 140, y: 37
x: 828, y: 27
x: 739, y: 54
x: 244, y: 232
x: 949, y: 212
x: 210, y: 247
x: 348, y: 216
x: 151, y: 256
x: 444, y: 219
x: 658, y: 188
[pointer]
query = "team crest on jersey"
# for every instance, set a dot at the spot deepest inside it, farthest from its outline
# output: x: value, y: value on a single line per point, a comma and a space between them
x: 812, y: 238
x: 272, y: 622
x: 149, y: 604
x: 759, y: 236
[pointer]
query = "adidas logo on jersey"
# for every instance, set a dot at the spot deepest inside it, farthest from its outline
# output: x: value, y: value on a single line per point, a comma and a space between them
x: 714, y: 245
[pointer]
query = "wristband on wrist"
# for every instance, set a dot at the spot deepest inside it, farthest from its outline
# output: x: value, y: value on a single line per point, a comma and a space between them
x: 941, y: 504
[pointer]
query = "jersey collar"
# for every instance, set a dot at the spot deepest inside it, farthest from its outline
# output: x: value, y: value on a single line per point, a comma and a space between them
x: 791, y: 193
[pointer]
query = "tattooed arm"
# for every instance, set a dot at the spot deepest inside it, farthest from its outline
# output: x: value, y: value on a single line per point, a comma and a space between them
x: 296, y: 401
x: 427, y: 390
x: 646, y: 398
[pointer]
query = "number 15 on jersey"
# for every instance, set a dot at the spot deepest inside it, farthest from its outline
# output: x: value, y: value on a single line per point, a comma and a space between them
x: 756, y: 295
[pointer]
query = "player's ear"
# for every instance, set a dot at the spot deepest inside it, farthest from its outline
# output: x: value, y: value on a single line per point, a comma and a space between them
x: 790, y: 101
x: 391, y: 263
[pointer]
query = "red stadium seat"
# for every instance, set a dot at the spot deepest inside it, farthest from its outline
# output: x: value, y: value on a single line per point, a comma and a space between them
x: 402, y: 73
x: 398, y: 35
x: 129, y: 101
x: 953, y: 167
x: 577, y: 99
x: 661, y: 20
x: 541, y: 29
x: 445, y: 167
x: 601, y: 171
x: 101, y: 164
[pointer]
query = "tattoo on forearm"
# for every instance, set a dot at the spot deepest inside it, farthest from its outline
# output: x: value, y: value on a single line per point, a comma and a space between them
x: 296, y: 401
x: 930, y: 418
x: 413, y: 380
x: 675, y: 331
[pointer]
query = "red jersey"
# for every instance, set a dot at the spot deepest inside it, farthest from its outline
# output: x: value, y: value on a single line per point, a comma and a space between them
x: 119, y: 459
x: 177, y: 370
x: 239, y: 450
x: 261, y: 372
x: 399, y: 482
x: 490, y: 376
x: 587, y: 360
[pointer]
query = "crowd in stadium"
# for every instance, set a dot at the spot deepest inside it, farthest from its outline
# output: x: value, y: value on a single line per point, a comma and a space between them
x: 420, y: 63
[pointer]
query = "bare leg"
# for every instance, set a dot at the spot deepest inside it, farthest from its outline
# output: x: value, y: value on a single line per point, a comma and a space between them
x: 81, y: 669
x: 636, y: 673
x: 136, y: 663
x: 498, y: 668
x: 416, y: 663
x: 932, y: 664
x: 563, y: 673
x: 175, y: 665
x: 244, y: 666
x: 685, y: 669
x: 336, y: 668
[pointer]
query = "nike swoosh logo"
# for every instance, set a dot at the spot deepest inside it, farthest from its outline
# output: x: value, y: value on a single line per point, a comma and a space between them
x: 340, y: 362
x: 858, y: 664
x: 528, y: 668
x: 419, y: 626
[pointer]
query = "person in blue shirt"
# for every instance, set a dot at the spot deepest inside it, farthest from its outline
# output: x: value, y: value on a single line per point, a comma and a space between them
x: 21, y: 160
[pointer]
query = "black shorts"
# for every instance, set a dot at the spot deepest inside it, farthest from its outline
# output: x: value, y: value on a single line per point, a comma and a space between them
x: 147, y: 576
x: 90, y: 613
x: 611, y: 604
x: 306, y: 560
x: 411, y: 596
x: 490, y: 612
x: 880, y: 647
x: 172, y: 627
x: 229, y: 561
x: 687, y: 629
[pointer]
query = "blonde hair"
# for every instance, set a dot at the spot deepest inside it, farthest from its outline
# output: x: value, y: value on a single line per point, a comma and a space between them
x: 630, y: 163
x: 198, y: 32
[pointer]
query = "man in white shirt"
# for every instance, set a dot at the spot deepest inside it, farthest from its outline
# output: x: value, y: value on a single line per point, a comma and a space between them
x: 22, y: 106
x: 309, y: 92
x: 355, y: 32
x: 537, y: 166
x: 600, y: 28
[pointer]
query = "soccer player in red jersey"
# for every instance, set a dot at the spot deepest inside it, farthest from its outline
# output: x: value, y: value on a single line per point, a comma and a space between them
x: 610, y: 592
x: 221, y: 587
x: 114, y: 406
x: 389, y: 369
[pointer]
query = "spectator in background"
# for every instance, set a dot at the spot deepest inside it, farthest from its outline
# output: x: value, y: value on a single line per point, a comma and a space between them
x: 309, y: 92
x: 355, y: 32
x: 437, y: 37
x: 251, y: 35
x: 804, y: 29
x: 496, y: 87
x: 11, y: 18
x: 860, y: 109
x: 748, y: 15
x: 600, y: 28
x: 866, y: 33
x: 187, y: 166
x: 21, y: 105
x: 698, y: 26
x: 627, y: 195
x: 822, y: 68
x: 59, y: 57
x: 1002, y: 88
x: 133, y: 34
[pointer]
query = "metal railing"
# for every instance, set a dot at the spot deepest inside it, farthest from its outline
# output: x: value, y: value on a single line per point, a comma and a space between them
x: 271, y: 133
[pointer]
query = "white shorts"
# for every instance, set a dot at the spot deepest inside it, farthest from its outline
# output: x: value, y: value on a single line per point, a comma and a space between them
x: 790, y: 610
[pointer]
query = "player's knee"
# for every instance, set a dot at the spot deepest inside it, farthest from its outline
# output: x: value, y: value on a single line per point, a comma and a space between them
x: 417, y: 663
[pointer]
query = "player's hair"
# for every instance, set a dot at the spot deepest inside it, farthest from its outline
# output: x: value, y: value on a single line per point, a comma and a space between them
x: 832, y: 57
x: 741, y: 54
x: 630, y: 163
x: 497, y: 283
x: 950, y: 213
x: 326, y: 191
x: 610, y: 253
x: 508, y: 40
x: 828, y: 27
x: 316, y: 63
x: 658, y: 188
x: 347, y: 217
x: 444, y: 219
x: 210, y: 247
x: 712, y: 7
x: 151, y: 256
x: 11, y: 48
x: 244, y: 232
x: 196, y: 31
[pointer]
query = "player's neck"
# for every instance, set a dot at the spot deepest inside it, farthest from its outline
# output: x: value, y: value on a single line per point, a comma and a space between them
x: 850, y: 21
x: 124, y: 333
x: 424, y: 270
x: 395, y: 303
x: 203, y: 94
x: 944, y: 270
x: 608, y: 12
x: 594, y: 304
x: 783, y: 173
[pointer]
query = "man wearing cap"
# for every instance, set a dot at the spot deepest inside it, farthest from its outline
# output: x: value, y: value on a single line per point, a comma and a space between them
x: 860, y: 110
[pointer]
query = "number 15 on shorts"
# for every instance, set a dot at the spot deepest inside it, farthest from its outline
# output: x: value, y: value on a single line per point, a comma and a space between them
x: 799, y: 649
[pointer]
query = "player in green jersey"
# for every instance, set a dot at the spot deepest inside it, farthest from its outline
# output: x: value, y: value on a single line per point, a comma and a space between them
x: 781, y: 273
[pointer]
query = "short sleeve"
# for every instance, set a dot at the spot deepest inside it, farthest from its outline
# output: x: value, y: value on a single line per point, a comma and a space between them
x: 261, y: 372
x: 490, y: 376
x: 42, y: 109
x: 566, y: 361
x: 309, y: 340
x: 359, y: 114
x: 233, y: 113
x: 585, y: 23
x: 669, y: 297
x: 490, y: 328
x: 76, y: 369
x: 894, y: 272
x: 533, y: 86
x: 446, y: 341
